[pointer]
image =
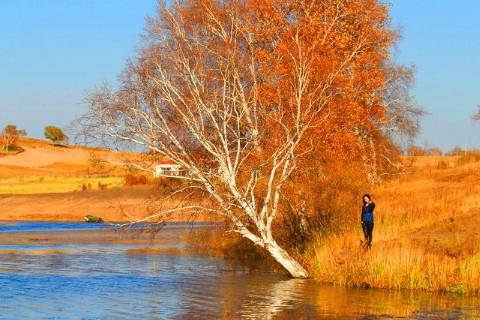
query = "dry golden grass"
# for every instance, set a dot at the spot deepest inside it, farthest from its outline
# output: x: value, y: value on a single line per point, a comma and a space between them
x: 426, y: 235
x: 46, y: 184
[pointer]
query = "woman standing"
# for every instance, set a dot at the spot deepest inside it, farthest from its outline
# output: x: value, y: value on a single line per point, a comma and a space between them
x: 367, y: 219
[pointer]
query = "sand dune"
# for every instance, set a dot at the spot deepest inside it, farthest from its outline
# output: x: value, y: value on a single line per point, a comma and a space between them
x: 39, y: 157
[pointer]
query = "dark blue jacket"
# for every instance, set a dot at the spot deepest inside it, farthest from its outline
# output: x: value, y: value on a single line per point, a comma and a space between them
x: 367, y: 211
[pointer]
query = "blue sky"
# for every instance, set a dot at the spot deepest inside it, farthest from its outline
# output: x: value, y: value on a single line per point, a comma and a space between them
x: 442, y: 39
x: 52, y: 52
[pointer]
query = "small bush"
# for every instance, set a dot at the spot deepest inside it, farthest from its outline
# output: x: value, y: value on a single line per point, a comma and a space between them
x: 86, y: 187
x: 469, y: 157
x: 13, y: 149
x: 442, y: 165
x: 131, y: 179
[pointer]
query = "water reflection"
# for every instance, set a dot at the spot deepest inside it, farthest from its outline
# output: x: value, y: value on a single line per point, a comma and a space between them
x: 95, y: 274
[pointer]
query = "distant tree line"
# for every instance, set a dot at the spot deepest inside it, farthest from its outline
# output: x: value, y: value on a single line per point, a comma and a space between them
x: 436, y: 151
x: 419, y: 151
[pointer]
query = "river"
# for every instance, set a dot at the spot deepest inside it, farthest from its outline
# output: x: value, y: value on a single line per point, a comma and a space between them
x: 86, y: 271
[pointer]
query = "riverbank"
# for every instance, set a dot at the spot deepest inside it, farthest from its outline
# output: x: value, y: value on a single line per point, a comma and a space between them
x: 426, y: 235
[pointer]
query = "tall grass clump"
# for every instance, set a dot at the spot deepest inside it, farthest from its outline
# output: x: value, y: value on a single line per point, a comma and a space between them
x: 135, y: 179
x: 397, y: 266
x: 469, y: 157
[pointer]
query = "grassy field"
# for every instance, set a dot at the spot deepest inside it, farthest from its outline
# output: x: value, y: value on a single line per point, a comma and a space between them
x: 46, y: 184
x: 426, y: 235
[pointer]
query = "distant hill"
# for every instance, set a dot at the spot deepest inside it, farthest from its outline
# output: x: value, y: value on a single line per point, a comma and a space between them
x: 47, y: 182
x: 40, y: 157
x: 62, y: 183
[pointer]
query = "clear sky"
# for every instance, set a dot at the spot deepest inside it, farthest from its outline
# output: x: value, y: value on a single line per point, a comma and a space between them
x: 52, y: 52
x: 442, y: 39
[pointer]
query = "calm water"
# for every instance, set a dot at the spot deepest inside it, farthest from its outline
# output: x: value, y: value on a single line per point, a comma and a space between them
x: 79, y: 271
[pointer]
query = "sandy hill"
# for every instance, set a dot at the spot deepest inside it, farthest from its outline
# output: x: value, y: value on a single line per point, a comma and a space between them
x: 47, y: 182
x: 42, y: 157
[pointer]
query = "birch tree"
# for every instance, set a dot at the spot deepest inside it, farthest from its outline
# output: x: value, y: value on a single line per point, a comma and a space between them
x: 400, y: 121
x: 236, y: 92
x: 9, y: 135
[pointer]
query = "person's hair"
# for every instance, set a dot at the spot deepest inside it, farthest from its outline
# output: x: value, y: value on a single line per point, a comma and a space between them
x: 366, y: 195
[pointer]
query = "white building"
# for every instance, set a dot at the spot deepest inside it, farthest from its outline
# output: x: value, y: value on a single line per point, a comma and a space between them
x: 167, y: 168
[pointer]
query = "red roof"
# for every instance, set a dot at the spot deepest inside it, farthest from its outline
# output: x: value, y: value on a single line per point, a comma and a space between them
x: 167, y: 161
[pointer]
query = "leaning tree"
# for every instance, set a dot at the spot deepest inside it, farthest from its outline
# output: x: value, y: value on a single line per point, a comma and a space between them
x: 238, y: 92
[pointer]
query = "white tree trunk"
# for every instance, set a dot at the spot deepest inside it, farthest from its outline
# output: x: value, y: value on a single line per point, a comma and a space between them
x: 282, y: 257
x: 295, y: 269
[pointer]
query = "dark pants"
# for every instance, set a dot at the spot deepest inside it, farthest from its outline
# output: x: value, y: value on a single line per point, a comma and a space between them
x: 367, y: 227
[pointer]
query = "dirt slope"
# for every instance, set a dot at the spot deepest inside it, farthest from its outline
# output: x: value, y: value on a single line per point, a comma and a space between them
x: 73, y: 206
